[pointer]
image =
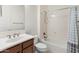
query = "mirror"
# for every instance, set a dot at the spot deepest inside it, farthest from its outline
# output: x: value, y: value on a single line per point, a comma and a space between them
x: 12, y: 17
x: 0, y: 10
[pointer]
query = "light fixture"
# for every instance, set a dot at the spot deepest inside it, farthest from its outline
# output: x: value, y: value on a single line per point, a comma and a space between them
x: 53, y: 15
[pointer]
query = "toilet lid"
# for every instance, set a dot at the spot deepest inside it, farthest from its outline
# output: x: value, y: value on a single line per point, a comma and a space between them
x: 41, y: 45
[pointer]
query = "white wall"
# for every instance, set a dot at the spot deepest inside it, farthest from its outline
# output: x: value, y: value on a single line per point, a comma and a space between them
x: 12, y: 14
x: 31, y: 19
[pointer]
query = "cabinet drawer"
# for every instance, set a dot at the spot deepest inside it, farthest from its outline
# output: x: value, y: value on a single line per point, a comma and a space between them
x: 27, y: 43
x: 15, y: 49
x: 28, y: 50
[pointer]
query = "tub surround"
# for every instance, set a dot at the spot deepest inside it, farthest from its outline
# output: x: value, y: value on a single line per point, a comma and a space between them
x: 4, y: 44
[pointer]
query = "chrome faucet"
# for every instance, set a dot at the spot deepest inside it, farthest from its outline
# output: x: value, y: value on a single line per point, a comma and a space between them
x: 45, y: 36
x: 16, y: 35
x: 13, y: 36
x: 9, y: 36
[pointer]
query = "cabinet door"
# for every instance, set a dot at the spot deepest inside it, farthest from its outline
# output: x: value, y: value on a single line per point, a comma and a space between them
x: 27, y: 43
x: 15, y: 49
x: 28, y: 50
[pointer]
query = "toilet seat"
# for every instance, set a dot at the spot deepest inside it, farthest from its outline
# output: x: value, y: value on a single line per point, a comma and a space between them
x: 41, y: 45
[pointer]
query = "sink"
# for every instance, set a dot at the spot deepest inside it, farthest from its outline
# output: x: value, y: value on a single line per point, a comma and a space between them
x: 22, y: 36
x: 13, y: 39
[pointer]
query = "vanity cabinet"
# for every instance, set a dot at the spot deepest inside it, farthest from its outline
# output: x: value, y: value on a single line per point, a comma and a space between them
x: 28, y: 50
x: 28, y: 46
x: 15, y: 49
x: 24, y: 47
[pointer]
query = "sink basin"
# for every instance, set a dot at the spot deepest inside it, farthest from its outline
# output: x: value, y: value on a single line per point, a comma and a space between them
x: 22, y: 36
x: 13, y: 40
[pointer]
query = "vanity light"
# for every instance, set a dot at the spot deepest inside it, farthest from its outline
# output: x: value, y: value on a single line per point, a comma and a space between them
x: 53, y: 15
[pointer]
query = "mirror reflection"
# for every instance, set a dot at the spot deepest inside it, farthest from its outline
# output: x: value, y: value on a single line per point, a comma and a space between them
x: 11, y: 17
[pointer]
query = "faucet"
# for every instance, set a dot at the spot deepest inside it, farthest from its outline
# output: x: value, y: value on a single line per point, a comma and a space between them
x: 9, y: 36
x: 45, y: 36
x: 16, y: 35
x: 13, y: 36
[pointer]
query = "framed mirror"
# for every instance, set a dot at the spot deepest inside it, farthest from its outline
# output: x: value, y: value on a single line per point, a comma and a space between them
x: 0, y: 10
x: 12, y: 17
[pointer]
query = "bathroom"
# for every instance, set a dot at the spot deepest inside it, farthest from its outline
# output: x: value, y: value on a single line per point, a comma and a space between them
x: 46, y: 25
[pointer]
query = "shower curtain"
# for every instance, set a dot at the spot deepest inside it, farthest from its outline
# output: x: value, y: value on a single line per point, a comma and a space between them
x: 72, y: 44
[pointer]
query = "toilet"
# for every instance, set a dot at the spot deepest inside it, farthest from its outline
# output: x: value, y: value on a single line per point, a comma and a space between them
x: 40, y: 47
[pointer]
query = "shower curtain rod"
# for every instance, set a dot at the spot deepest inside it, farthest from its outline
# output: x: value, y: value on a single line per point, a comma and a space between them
x: 64, y: 8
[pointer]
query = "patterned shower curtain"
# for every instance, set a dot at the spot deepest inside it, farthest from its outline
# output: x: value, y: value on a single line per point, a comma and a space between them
x: 72, y: 45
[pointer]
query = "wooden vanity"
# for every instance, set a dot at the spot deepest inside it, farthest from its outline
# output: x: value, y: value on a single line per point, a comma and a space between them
x: 24, y: 47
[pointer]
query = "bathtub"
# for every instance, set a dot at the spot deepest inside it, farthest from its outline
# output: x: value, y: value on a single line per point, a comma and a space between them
x: 54, y: 47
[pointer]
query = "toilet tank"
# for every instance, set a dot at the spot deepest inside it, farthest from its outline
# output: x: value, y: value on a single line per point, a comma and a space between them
x: 35, y: 39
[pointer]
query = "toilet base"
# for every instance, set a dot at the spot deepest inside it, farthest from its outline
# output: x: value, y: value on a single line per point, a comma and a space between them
x: 41, y: 47
x: 37, y: 51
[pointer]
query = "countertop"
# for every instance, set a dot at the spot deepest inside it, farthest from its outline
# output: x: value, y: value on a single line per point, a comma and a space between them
x: 4, y: 44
